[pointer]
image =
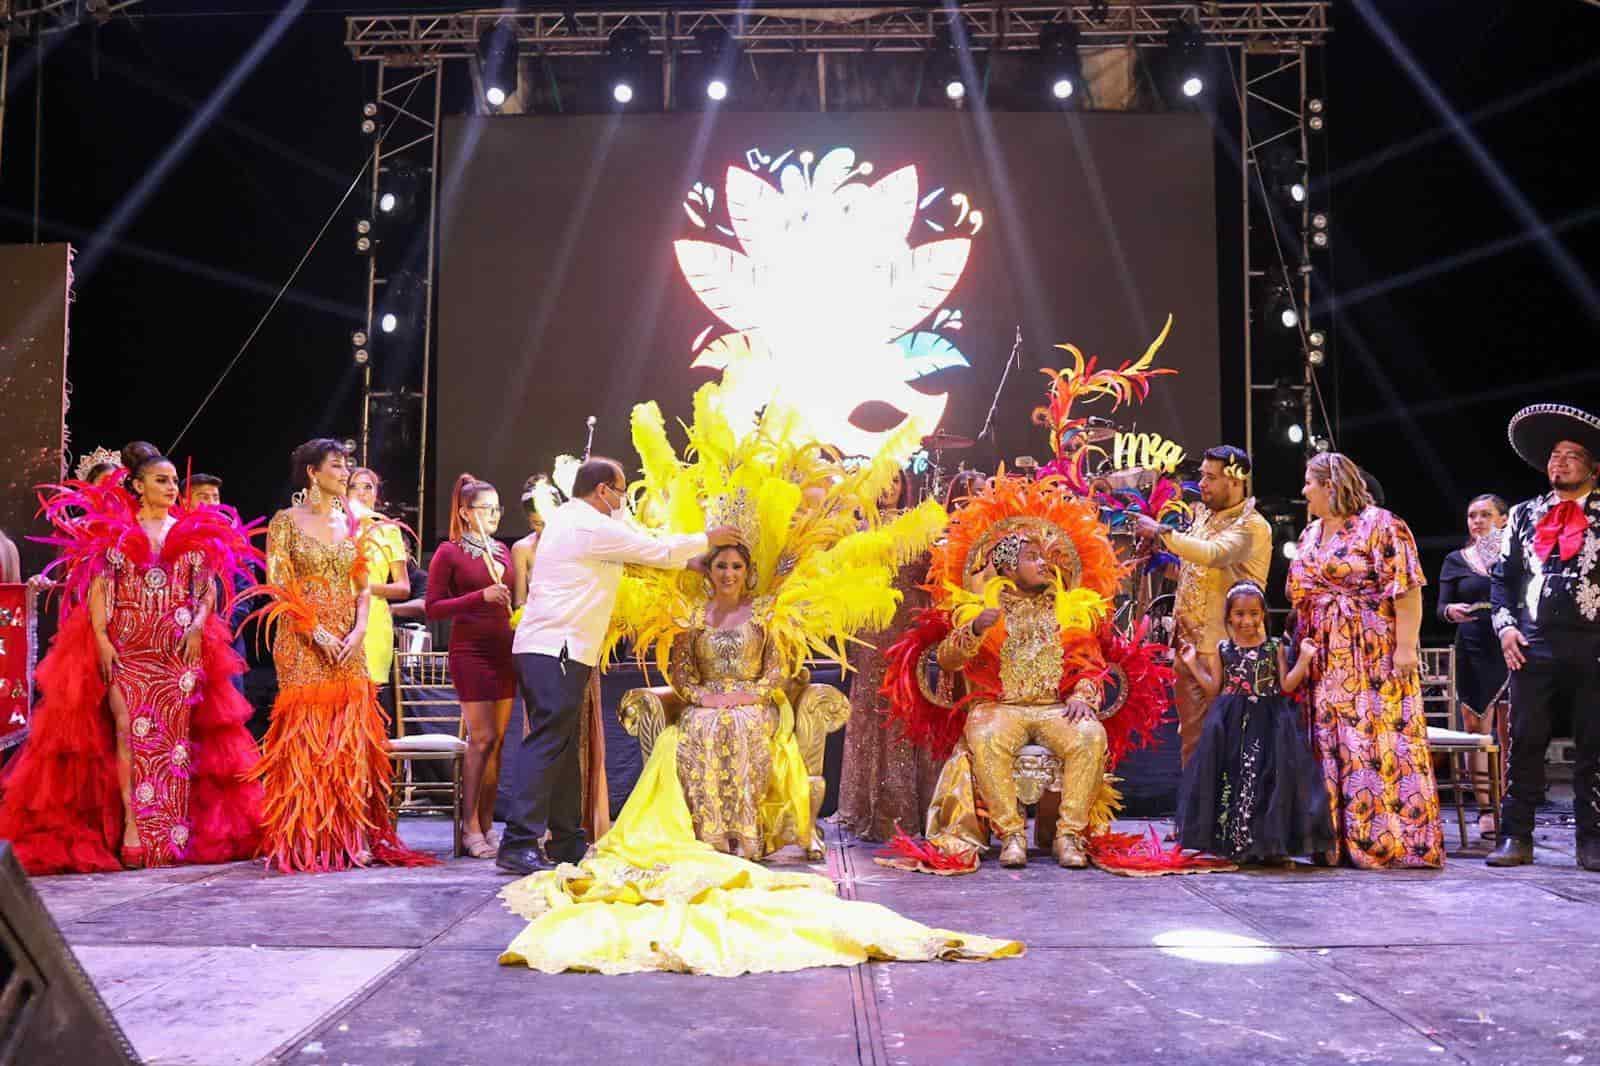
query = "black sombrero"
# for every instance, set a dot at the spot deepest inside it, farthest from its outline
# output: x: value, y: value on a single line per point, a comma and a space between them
x: 1535, y: 431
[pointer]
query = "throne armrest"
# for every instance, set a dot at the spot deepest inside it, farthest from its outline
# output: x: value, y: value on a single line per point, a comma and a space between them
x: 645, y: 712
x: 818, y: 711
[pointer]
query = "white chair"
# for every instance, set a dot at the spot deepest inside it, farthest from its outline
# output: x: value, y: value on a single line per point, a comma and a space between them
x: 1467, y: 774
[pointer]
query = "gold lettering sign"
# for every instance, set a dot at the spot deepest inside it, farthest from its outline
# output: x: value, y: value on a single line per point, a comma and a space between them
x: 1150, y: 451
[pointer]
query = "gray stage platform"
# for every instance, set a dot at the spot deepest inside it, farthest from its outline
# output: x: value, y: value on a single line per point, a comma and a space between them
x: 227, y: 965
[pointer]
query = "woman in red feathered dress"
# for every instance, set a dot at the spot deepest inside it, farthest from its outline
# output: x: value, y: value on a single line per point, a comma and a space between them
x: 138, y: 748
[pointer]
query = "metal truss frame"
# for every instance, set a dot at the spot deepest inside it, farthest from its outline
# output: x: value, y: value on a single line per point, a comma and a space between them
x: 425, y: 38
x: 408, y: 106
x: 1270, y: 40
x: 1278, y: 87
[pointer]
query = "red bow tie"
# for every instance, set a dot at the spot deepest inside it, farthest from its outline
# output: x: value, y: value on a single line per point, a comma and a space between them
x: 1562, y: 527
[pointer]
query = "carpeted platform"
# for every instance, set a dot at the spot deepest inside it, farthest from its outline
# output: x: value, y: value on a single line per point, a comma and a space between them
x: 227, y: 965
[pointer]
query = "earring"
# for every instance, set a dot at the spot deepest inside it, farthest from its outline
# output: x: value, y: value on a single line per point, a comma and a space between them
x: 314, y: 495
x: 705, y: 583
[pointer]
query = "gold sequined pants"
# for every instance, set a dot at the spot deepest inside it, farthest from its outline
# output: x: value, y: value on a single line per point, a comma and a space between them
x: 1192, y: 703
x: 997, y: 731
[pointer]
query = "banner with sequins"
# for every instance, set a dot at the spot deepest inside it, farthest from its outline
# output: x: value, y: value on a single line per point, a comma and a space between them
x: 16, y: 663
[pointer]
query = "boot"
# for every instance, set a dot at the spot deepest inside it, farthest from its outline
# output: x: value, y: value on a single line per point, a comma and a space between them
x: 1511, y: 852
x: 1589, y: 854
x: 1069, y: 852
x: 1014, y: 852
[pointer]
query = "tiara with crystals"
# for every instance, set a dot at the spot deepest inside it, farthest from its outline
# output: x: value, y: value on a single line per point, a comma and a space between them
x: 734, y: 509
x: 96, y: 458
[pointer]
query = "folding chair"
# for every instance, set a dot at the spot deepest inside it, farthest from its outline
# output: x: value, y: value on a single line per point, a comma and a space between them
x: 1458, y: 746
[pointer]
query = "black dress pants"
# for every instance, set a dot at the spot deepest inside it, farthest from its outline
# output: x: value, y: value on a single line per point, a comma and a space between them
x: 547, y: 789
x: 1563, y: 669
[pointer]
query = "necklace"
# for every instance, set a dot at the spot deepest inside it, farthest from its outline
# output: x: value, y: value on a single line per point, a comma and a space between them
x: 475, y: 547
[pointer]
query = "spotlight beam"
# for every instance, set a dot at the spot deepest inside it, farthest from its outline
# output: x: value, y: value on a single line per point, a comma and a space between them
x: 123, y: 214
x: 1567, y: 268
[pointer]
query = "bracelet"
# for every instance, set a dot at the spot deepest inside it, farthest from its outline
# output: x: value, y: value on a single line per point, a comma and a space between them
x: 325, y: 639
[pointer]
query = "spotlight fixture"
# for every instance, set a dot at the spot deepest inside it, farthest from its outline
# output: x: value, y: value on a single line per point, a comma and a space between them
x: 1315, y: 123
x: 1316, y: 356
x: 402, y: 302
x: 1319, y: 221
x: 369, y: 120
x: 1186, y: 56
x: 626, y: 50
x: 363, y: 237
x: 1296, y: 433
x: 1314, y: 118
x: 1317, y: 338
x: 950, y: 58
x: 1281, y: 308
x: 1321, y: 444
x: 498, y: 53
x: 1314, y: 106
x: 1062, y: 62
x: 397, y: 193
x: 1282, y: 172
x: 1319, y: 239
x: 362, y: 357
x: 719, y: 56
x: 359, y: 338
x: 1290, y: 550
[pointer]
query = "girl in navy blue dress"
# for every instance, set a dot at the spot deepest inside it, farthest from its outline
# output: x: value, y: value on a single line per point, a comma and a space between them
x: 1252, y: 792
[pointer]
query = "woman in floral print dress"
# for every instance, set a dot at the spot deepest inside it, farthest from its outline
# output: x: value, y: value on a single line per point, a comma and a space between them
x: 1356, y: 583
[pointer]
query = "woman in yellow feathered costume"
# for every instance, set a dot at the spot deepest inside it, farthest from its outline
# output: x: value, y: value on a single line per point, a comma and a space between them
x: 659, y: 891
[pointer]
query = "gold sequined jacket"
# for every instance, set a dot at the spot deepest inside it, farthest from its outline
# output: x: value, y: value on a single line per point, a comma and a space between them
x: 1221, y: 549
x: 1032, y: 662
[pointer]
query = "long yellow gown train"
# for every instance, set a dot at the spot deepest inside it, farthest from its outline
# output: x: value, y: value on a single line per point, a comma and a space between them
x: 651, y: 896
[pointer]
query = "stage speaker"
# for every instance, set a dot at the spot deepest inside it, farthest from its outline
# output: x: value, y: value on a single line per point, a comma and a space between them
x: 49, y: 1010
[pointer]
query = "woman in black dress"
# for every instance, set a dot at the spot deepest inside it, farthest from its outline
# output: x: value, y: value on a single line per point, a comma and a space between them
x: 1464, y: 603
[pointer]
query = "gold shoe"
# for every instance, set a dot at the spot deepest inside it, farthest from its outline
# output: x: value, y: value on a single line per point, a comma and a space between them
x: 1014, y: 853
x: 1069, y: 852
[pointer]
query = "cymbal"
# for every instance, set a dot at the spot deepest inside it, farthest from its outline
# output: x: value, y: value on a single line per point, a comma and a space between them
x: 1096, y: 434
x: 942, y: 441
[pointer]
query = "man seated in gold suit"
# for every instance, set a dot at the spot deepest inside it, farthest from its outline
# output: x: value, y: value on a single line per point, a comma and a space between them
x: 1032, y: 668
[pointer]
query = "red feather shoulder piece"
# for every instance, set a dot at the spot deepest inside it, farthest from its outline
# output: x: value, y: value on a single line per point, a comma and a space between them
x: 1143, y: 690
x: 93, y: 524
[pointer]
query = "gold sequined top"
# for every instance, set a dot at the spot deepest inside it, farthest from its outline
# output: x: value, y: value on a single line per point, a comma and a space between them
x: 319, y: 575
x: 1031, y: 666
x: 1220, y: 549
x: 705, y: 660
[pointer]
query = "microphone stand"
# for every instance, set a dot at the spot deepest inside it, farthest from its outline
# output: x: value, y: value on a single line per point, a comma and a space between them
x: 588, y: 445
x: 1014, y: 357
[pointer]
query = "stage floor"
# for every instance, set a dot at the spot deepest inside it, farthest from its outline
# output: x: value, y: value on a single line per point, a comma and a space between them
x: 227, y: 965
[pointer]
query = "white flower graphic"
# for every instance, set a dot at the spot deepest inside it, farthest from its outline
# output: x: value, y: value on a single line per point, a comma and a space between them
x: 823, y: 291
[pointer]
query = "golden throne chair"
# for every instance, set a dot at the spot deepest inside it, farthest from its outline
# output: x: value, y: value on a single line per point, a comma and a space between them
x: 818, y: 710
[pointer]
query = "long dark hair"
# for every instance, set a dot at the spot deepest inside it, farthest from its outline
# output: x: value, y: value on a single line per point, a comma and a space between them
x: 312, y: 453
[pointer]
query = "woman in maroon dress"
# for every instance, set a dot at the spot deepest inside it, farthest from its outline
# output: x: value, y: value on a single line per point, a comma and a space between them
x: 467, y: 584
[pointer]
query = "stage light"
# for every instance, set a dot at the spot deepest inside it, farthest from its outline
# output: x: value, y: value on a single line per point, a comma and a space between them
x: 626, y: 50
x: 1314, y: 106
x: 1321, y: 444
x: 954, y: 89
x: 369, y: 109
x: 362, y: 357
x: 1319, y: 221
x: 1319, y: 239
x: 1291, y: 550
x: 1315, y: 123
x: 402, y: 302
x: 1186, y: 58
x: 1316, y: 338
x: 719, y: 56
x: 1296, y: 433
x: 1297, y: 192
x: 1058, y: 50
x: 1281, y: 307
x: 498, y: 54
x: 358, y: 338
x: 363, y: 237
x: 1282, y: 173
x: 369, y: 127
x: 949, y: 59
x: 1316, y: 356
x: 386, y: 202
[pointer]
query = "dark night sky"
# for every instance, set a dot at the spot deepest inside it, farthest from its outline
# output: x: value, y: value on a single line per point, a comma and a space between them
x: 1453, y: 316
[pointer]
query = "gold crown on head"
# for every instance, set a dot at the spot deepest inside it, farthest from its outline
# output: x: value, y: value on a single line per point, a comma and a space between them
x: 734, y: 509
x: 94, y: 459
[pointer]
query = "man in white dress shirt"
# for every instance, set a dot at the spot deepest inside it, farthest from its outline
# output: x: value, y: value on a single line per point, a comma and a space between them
x: 573, y: 590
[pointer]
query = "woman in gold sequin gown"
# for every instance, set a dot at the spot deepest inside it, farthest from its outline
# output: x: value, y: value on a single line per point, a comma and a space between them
x: 325, y: 769
x: 741, y: 770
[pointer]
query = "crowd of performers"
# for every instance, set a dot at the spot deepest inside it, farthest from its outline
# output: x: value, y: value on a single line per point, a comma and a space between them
x: 992, y: 672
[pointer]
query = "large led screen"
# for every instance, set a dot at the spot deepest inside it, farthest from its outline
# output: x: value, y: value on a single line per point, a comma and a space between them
x: 869, y: 267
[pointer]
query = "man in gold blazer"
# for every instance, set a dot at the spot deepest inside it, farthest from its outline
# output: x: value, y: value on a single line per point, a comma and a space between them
x: 1228, y: 542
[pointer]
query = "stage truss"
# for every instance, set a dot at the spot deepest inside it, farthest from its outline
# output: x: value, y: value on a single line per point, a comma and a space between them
x: 1269, y: 46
